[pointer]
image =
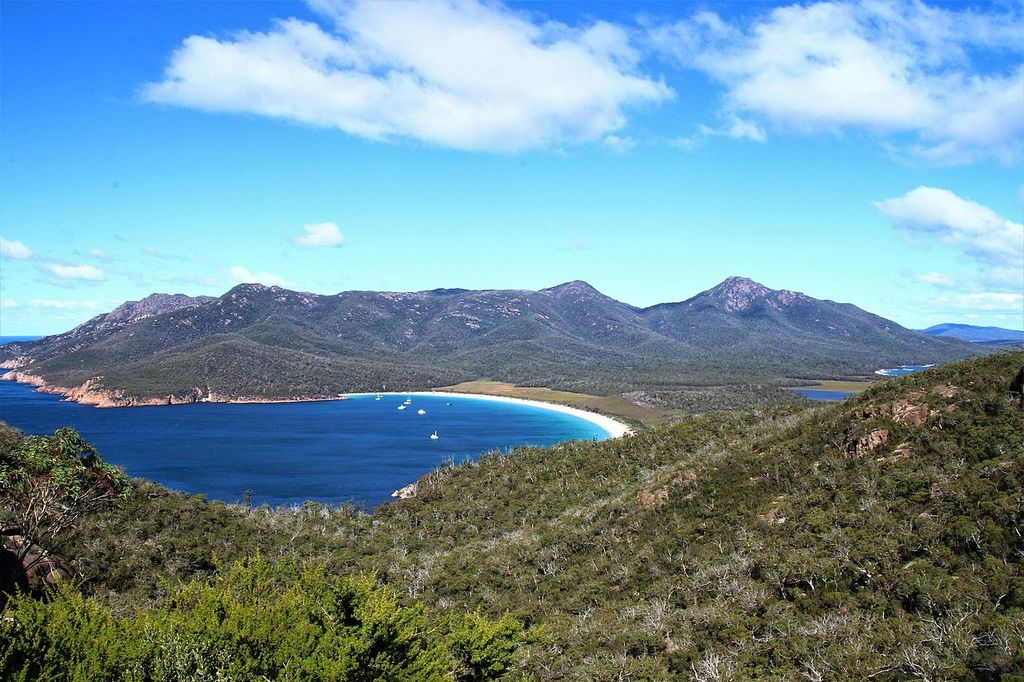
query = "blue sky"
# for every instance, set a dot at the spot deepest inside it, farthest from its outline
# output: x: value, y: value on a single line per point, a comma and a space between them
x: 863, y: 152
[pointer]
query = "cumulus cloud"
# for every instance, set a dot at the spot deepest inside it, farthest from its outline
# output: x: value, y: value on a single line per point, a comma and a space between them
x: 8, y: 303
x: 242, y: 275
x: 465, y: 75
x: 893, y: 68
x: 980, y: 233
x: 10, y: 248
x: 993, y: 243
x: 79, y: 272
x: 320, y: 235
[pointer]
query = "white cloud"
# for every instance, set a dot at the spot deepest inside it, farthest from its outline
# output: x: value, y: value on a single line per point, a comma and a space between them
x: 733, y: 127
x: 935, y: 279
x: 14, y: 249
x: 893, y: 68
x: 736, y: 128
x: 993, y: 243
x: 977, y: 231
x: 320, y: 235
x: 465, y: 75
x: 99, y: 254
x: 243, y: 275
x: 987, y: 301
x: 619, y: 144
x: 8, y: 303
x: 82, y: 272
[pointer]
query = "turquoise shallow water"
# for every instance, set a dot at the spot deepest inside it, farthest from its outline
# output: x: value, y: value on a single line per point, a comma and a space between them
x: 357, y: 450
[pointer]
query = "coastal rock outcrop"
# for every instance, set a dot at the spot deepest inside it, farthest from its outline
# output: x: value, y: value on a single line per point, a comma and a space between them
x: 92, y: 392
x: 405, y: 492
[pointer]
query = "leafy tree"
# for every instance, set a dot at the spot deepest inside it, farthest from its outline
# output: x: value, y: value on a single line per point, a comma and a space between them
x: 47, y: 484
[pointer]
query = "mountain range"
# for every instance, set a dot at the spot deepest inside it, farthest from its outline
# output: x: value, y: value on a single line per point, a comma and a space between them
x: 969, y: 332
x: 257, y: 343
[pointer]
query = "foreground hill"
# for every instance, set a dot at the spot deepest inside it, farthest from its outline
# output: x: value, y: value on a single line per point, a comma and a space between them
x: 878, y: 538
x: 258, y: 342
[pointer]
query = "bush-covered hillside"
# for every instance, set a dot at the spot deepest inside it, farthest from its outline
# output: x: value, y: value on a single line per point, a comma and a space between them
x: 878, y: 538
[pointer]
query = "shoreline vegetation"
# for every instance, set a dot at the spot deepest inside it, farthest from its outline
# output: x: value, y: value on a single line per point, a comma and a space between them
x: 617, y: 414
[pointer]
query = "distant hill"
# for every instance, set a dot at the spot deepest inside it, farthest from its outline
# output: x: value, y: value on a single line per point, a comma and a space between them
x: 258, y: 342
x: 969, y: 332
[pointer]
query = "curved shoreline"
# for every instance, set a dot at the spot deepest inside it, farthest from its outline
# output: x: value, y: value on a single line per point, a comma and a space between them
x: 105, y: 398
x: 613, y: 427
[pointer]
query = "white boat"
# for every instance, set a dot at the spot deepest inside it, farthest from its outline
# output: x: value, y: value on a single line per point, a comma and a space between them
x: 401, y: 407
x: 408, y: 401
x: 433, y: 436
x: 421, y: 411
x: 378, y: 397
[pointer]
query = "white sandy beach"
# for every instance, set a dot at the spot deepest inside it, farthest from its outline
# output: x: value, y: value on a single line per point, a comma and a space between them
x: 615, y: 429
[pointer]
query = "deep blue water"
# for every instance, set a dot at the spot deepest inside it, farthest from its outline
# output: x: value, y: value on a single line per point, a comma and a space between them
x: 900, y: 371
x: 819, y: 394
x: 357, y: 450
x: 5, y: 339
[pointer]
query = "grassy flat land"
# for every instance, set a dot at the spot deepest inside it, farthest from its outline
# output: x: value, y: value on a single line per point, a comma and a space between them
x: 833, y: 385
x: 612, y: 405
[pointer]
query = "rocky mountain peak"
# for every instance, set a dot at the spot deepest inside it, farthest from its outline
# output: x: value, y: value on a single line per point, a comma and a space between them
x: 739, y: 294
x: 154, y: 304
x: 249, y: 288
x: 577, y: 288
x: 741, y: 285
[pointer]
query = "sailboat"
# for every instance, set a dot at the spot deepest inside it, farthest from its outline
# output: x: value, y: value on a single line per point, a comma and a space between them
x: 378, y: 397
x: 433, y: 436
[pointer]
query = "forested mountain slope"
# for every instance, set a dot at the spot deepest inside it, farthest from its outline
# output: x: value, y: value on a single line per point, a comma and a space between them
x: 262, y: 342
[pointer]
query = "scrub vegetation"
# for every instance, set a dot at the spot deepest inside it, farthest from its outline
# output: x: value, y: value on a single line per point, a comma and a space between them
x: 878, y: 538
